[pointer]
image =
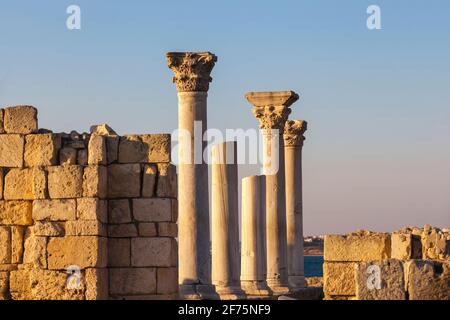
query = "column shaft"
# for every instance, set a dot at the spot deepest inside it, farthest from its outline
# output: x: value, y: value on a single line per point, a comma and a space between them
x: 276, y: 241
x: 294, y: 216
x: 225, y: 225
x: 293, y: 143
x: 253, y: 242
x: 194, y: 254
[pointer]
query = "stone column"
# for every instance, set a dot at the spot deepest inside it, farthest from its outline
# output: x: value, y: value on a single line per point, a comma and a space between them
x: 272, y: 110
x: 225, y: 226
x: 192, y: 78
x: 253, y: 246
x: 293, y: 143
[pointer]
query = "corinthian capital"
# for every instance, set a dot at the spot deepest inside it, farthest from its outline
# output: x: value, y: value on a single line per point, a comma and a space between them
x: 192, y: 70
x: 273, y: 117
x: 293, y: 133
x: 271, y: 109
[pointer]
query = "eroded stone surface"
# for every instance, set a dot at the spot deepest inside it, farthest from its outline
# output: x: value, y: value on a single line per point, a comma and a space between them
x: 83, y: 251
x: 427, y: 280
x: 357, y: 247
x: 132, y: 281
x: 54, y: 210
x: 20, y: 119
x: 42, y: 149
x: 25, y: 184
x: 65, y: 182
x: 11, y: 150
x: 124, y: 180
x: 339, y: 279
x: 391, y: 280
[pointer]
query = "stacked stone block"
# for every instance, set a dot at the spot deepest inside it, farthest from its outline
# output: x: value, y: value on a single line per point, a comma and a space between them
x: 57, y: 192
x: 410, y: 264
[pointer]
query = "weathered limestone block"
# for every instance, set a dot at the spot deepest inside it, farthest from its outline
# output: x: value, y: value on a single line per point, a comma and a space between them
x: 357, y: 247
x: 21, y: 119
x: 54, y: 210
x: 174, y: 210
x: 153, y: 252
x: 435, y: 244
x: 152, y: 210
x: 167, y: 181
x: 134, y: 281
x: 112, y: 148
x: 124, y: 180
x: 427, y: 280
x: 11, y: 150
x: 119, y: 252
x: 82, y: 251
x: 65, y: 182
x: 85, y: 228
x: 20, y: 285
x: 4, y: 284
x: 159, y: 147
x: 102, y: 130
x: 381, y: 280
x: 132, y: 149
x: 68, y: 156
x: 17, y: 243
x: 97, y: 150
x: 167, y: 280
x: 25, y: 184
x: 149, y: 180
x: 97, y: 284
x: 147, y: 229
x: 405, y: 246
x: 92, y: 209
x: 167, y: 229
x: 122, y: 230
x: 95, y: 183
x: 44, y: 285
x: 82, y: 157
x: 5, y: 245
x: 2, y: 113
x: 147, y: 148
x: 47, y: 229
x: 119, y: 211
x: 42, y: 149
x: 35, y: 252
x: 339, y: 278
x: 16, y: 213
x: 1, y: 182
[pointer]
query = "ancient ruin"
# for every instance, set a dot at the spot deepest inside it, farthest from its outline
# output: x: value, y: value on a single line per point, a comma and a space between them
x: 85, y: 216
x: 101, y: 216
x: 410, y: 264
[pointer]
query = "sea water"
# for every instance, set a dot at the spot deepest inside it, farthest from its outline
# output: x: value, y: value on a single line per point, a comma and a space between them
x: 313, y: 266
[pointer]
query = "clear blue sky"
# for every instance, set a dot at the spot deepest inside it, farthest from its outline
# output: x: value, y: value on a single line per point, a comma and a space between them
x: 377, y: 153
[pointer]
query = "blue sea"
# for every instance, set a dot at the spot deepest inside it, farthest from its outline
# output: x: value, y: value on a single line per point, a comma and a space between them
x: 313, y: 266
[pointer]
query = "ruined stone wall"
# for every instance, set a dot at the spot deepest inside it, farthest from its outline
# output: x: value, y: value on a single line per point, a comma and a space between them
x: 410, y: 264
x: 85, y: 216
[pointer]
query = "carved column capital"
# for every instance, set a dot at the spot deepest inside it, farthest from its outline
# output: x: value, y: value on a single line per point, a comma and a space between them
x: 293, y: 133
x: 192, y: 70
x: 273, y: 117
x: 271, y: 109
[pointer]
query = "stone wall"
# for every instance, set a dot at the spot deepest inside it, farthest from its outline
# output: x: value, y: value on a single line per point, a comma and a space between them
x: 85, y: 216
x: 410, y: 264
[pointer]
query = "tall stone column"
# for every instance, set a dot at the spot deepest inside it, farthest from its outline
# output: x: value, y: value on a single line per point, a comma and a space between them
x: 225, y: 225
x: 293, y: 143
x: 192, y: 78
x: 253, y: 246
x: 272, y: 110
